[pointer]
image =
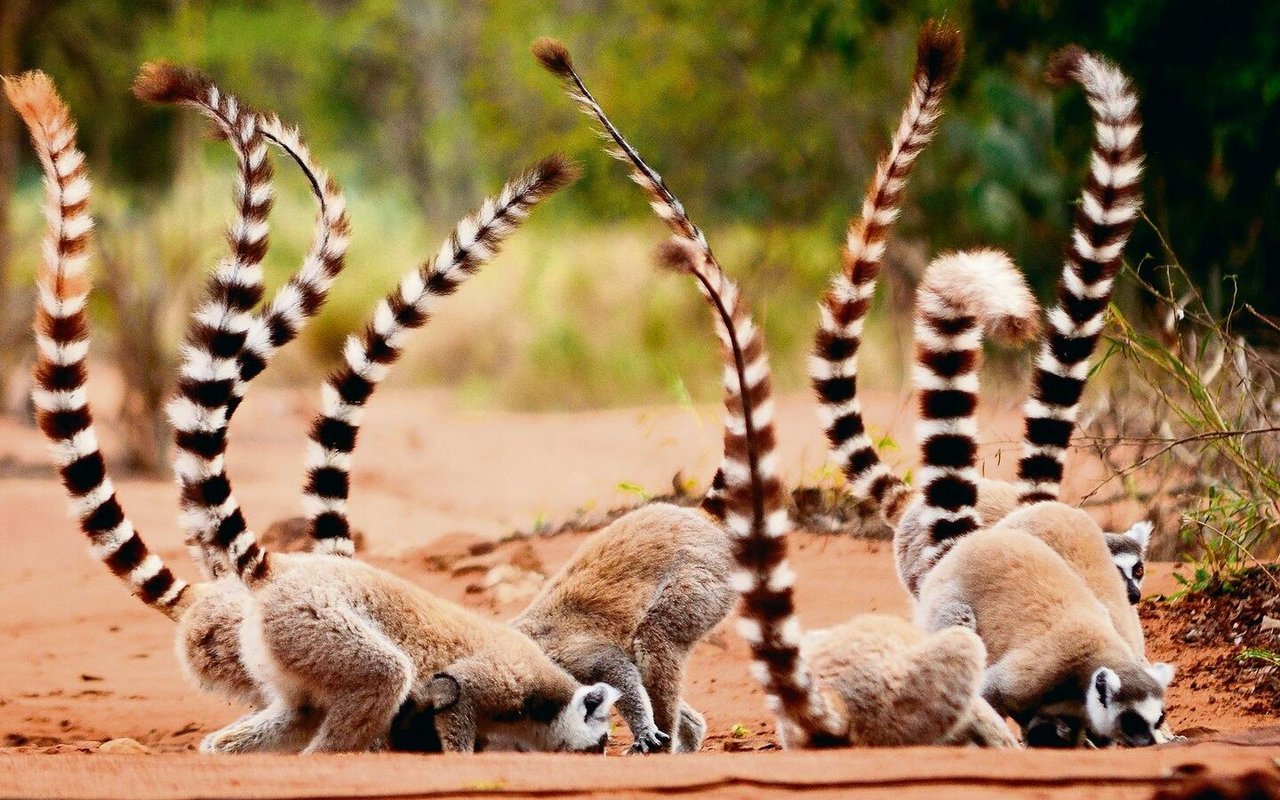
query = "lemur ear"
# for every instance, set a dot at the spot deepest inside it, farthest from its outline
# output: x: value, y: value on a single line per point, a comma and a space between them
x: 1140, y: 532
x: 444, y: 691
x: 1162, y: 672
x: 1107, y: 683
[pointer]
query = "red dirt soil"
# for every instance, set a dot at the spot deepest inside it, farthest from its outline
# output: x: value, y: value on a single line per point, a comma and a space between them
x: 83, y: 662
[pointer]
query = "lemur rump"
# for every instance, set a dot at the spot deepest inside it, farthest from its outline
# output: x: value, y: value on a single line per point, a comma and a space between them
x: 629, y: 607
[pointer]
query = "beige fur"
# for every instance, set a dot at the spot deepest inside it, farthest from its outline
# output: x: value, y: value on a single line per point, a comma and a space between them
x: 1047, y: 644
x: 350, y: 643
x: 1074, y: 535
x: 912, y: 540
x: 208, y: 642
x: 628, y: 608
x: 891, y: 684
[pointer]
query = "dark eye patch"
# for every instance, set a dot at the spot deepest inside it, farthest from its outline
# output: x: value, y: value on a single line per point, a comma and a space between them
x: 541, y: 709
x: 1138, y: 571
x: 1133, y: 724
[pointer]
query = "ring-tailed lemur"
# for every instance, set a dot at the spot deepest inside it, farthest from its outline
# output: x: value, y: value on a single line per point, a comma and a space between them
x: 1109, y: 204
x: 339, y: 636
x: 873, y: 681
x: 358, y: 643
x: 636, y: 597
x: 207, y: 643
x: 1052, y: 640
x: 747, y: 483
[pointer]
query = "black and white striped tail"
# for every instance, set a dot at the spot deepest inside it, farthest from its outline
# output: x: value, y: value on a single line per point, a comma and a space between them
x: 214, y: 523
x: 962, y: 298
x: 555, y: 58
x: 833, y: 367
x: 306, y: 291
x: 755, y: 511
x: 1109, y: 205
x: 62, y: 344
x: 369, y: 357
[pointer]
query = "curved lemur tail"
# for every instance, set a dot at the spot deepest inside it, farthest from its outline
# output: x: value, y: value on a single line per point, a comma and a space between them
x: 369, y: 357
x: 214, y: 523
x: 962, y: 298
x: 1109, y: 205
x: 555, y: 58
x: 307, y: 290
x: 833, y: 368
x: 62, y: 344
x: 755, y: 509
x: 227, y: 349
x: 752, y: 498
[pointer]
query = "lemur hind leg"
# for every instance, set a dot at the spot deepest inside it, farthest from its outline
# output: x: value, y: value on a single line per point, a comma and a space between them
x: 358, y: 675
x: 282, y: 727
x: 688, y: 606
x: 692, y: 729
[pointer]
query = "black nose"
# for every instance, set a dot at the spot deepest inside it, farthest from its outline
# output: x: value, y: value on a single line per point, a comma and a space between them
x: 1143, y: 739
x: 593, y: 700
x: 1135, y: 594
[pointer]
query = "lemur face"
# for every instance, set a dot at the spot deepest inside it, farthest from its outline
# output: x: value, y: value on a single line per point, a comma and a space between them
x: 1127, y: 709
x: 1128, y: 550
x: 579, y: 726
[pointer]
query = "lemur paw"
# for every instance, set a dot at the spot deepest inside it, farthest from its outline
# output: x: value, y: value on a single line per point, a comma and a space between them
x: 650, y: 742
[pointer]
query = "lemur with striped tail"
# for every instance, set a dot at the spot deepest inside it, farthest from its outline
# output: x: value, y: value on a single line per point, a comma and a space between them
x: 1110, y: 202
x: 208, y: 614
x: 530, y: 703
x: 1111, y: 197
x: 330, y: 633
x: 873, y: 681
x: 1051, y: 640
x: 653, y: 582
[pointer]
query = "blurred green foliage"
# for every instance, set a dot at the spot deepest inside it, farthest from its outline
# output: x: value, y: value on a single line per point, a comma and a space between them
x: 763, y: 116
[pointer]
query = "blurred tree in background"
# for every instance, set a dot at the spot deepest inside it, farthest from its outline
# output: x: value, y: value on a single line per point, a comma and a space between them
x: 763, y: 115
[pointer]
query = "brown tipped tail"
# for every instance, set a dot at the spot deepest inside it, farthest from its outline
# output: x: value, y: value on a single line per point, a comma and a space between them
x: 369, y: 357
x: 1110, y: 202
x: 62, y: 344
x: 215, y: 525
x: 754, y: 502
x: 833, y: 368
x: 962, y: 298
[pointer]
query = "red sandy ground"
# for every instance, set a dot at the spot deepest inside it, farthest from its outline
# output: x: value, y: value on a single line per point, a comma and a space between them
x: 84, y: 662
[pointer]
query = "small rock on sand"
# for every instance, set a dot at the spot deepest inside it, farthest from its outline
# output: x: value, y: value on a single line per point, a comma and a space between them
x: 125, y: 747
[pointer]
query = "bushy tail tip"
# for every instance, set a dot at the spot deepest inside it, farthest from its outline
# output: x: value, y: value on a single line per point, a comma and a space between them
x: 987, y: 285
x: 165, y: 82
x: 553, y: 56
x: 939, y: 50
x: 1063, y: 64
x: 33, y: 96
x: 556, y: 171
